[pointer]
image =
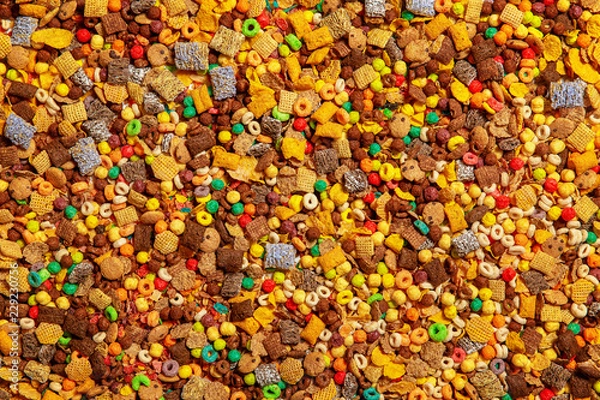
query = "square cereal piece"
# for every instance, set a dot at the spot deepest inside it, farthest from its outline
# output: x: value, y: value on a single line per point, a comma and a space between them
x: 585, y: 208
x: 512, y: 16
x: 66, y: 64
x: 118, y: 72
x: 74, y: 112
x: 332, y: 259
x: 280, y: 256
x: 227, y: 41
x: 355, y: 181
x: 364, y: 76
x: 581, y: 137
x: 41, y: 162
x: 379, y: 37
x: 95, y: 8
x: 473, y: 11
x: 342, y: 148
x: 326, y: 161
x: 167, y: 85
x: 66, y: 129
x: 8, y: 156
x: 115, y: 93
x: 192, y: 56
x: 66, y: 230
x: 479, y: 330
x: 498, y: 288
x: 318, y: 38
x: 364, y: 247
x: 22, y: 31
x: 136, y: 199
x: 437, y: 26
x: 464, y: 172
x: 542, y: 262
x: 164, y: 167
x: 166, y: 242
x: 375, y: 8
x: 223, y: 80
x: 265, y: 45
x: 339, y: 22
x: 305, y: 180
x: 424, y: 8
x: 97, y: 129
x: 113, y: 23
x: 126, y: 216
x: 257, y: 228
x: 175, y: 7
x: 312, y: 330
x: 24, y: 110
x: 86, y: 155
x: 142, y: 237
x: 5, y: 45
x: 232, y: 285
x: 460, y: 36
x: 525, y: 197
x: 465, y: 243
x: 18, y: 131
x: 286, y: 101
x: 134, y: 170
x: 58, y: 153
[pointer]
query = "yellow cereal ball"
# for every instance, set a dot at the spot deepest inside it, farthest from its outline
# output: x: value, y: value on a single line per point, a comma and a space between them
x: 227, y: 329
x: 156, y: 350
x: 177, y: 226
x: 62, y: 89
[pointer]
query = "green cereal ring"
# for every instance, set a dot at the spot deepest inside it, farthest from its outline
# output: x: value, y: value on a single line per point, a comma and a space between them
x: 134, y: 127
x: 438, y: 332
x: 251, y: 27
x: 138, y: 381
x: 271, y: 391
x: 111, y: 314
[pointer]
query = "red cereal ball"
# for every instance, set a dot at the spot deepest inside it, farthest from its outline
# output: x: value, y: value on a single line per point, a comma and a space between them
x: 309, y: 148
x: 369, y: 197
x: 244, y: 220
x: 160, y: 284
x: 136, y: 52
x: 290, y: 305
x: 374, y: 179
x: 300, y: 124
x: 142, y: 271
x: 268, y: 285
x: 282, y: 24
x: 475, y: 86
x: 191, y: 264
x: 550, y: 185
x: 127, y: 151
x: 508, y: 274
x: 568, y: 213
x: 33, y: 312
x: 502, y: 201
x: 516, y: 164
x: 528, y: 53
x: 499, y: 59
x: 83, y: 35
x: 399, y: 80
x: 47, y: 285
x: 263, y: 19
x: 546, y: 394
x: 339, y: 377
x: 548, y: 2
x: 372, y: 226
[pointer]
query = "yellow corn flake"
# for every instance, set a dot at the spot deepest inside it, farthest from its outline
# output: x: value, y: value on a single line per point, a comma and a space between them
x: 394, y: 242
x: 585, y: 71
x: 515, y: 343
x: 249, y: 325
x: 593, y: 26
x: 318, y: 38
x: 264, y: 316
x: 317, y: 56
x: 299, y: 23
x: 225, y: 6
x: 541, y: 235
x: 552, y: 48
x: 261, y: 104
x: 404, y: 195
x: 460, y: 92
x: 380, y: 359
x: 207, y: 20
x: 53, y: 37
x: 293, y: 148
x: 284, y: 213
x: 394, y: 371
x: 518, y: 89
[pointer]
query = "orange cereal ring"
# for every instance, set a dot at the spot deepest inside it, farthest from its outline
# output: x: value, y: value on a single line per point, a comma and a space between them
x: 417, y: 394
x: 327, y: 92
x: 302, y: 107
x: 442, y: 6
x: 239, y: 395
x: 145, y: 287
x: 419, y: 336
x: 190, y: 29
x: 253, y: 58
x: 45, y: 188
x: 403, y: 279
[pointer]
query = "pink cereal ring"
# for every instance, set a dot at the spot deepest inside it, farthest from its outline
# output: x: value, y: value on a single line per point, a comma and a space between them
x: 458, y: 355
x: 470, y: 158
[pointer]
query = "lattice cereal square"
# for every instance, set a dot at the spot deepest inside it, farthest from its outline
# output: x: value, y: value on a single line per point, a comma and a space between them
x: 473, y: 11
x: 164, y: 167
x: 74, y: 112
x: 585, y: 208
x: 479, y: 330
x: 265, y: 45
x: 542, y: 262
x: 512, y: 16
x: 66, y: 64
x: 166, y: 242
x: 41, y: 162
x: 167, y: 85
x: 305, y: 180
x: 364, y: 246
x: 227, y: 41
x: 581, y: 137
x: 364, y: 76
x: 95, y: 8
x: 126, y: 216
x: 379, y: 37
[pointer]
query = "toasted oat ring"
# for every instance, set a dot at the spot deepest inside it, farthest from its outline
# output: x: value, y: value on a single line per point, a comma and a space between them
x: 190, y: 29
x: 526, y: 75
x: 302, y: 107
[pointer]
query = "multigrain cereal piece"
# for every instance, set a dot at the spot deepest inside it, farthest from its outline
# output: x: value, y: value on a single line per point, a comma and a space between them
x: 191, y: 56
x: 97, y: 129
x: 18, y: 131
x: 424, y: 8
x: 223, y: 80
x: 22, y: 30
x: 86, y: 155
